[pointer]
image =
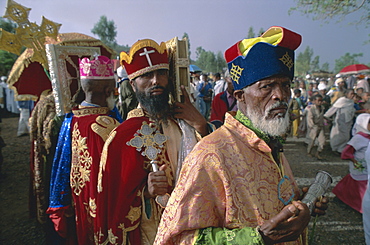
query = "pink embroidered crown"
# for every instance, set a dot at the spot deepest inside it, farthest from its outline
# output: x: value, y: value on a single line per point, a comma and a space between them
x: 99, y: 68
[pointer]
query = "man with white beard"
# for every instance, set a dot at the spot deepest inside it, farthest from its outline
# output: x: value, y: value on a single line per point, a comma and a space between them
x: 82, y: 137
x: 236, y: 186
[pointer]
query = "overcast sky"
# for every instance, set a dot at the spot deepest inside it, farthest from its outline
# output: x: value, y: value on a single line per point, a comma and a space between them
x: 213, y: 24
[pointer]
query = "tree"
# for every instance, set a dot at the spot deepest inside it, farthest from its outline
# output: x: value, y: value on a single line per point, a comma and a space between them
x: 251, y: 32
x: 345, y: 60
x: 261, y: 31
x: 209, y: 61
x: 7, y: 59
x: 303, y: 62
x: 106, y: 31
x: 199, y: 51
x: 325, y: 67
x: 329, y: 9
x: 315, y: 64
x: 187, y: 37
x: 221, y: 64
x: 7, y: 25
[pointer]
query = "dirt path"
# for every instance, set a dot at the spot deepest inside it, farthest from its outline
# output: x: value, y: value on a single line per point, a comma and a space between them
x: 15, y: 225
x: 341, y: 225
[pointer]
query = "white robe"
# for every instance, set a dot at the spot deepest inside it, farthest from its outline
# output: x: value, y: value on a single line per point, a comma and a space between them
x: 344, y: 111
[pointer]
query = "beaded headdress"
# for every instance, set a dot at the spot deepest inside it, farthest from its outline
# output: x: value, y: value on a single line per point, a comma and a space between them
x: 99, y: 68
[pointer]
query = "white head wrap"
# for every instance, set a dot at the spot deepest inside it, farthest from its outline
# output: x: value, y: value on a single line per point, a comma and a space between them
x: 338, y: 80
x: 362, y: 121
x: 121, y: 72
x: 321, y: 86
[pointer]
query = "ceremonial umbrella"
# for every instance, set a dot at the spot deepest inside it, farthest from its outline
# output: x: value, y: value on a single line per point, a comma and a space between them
x: 194, y: 68
x: 28, y: 78
x: 354, y: 69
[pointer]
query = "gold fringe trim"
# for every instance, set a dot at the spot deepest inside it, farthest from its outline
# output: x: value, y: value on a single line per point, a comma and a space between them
x: 139, y: 45
x: 85, y: 111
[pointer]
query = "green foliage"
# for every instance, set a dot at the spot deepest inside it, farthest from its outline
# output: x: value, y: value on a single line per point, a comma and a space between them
x: 119, y: 48
x: 7, y: 59
x: 209, y: 61
x: 329, y: 9
x: 251, y: 33
x: 199, y: 51
x: 187, y: 37
x: 303, y: 62
x: 106, y: 31
x: 325, y: 66
x: 261, y: 31
x: 7, y: 25
x: 345, y: 60
x: 315, y: 64
x: 6, y: 62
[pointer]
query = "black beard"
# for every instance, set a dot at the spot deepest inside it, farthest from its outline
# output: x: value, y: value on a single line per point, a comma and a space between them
x: 156, y: 106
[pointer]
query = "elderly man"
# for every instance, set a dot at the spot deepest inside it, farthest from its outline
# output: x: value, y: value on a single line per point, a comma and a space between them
x: 131, y: 197
x: 236, y: 186
x: 81, y: 140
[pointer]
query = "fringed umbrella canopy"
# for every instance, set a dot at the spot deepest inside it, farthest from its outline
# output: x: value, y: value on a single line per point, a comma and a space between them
x: 30, y: 80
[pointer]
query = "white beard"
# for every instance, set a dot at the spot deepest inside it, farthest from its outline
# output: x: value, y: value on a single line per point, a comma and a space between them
x: 111, y: 101
x: 273, y: 127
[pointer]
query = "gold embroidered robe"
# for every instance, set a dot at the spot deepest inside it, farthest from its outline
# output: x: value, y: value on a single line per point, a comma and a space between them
x: 230, y: 180
x: 121, y: 217
x: 90, y: 128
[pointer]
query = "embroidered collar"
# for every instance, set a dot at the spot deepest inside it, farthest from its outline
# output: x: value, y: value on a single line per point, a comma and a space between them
x: 248, y: 123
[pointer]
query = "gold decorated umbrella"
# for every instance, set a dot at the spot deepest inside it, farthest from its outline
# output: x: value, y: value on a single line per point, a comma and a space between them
x: 28, y: 77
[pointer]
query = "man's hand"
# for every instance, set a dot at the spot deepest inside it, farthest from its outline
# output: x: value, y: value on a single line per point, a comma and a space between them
x: 190, y: 114
x: 321, y: 205
x: 287, y: 225
x: 157, y: 182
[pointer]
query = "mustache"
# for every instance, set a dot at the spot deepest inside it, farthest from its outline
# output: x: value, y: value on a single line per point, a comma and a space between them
x: 276, y: 105
x: 157, y: 87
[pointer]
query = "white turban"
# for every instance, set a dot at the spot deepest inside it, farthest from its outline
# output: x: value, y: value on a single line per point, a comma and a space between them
x: 322, y: 86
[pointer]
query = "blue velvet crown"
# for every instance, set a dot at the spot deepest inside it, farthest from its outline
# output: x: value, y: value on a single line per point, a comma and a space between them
x: 254, y: 59
x: 262, y: 61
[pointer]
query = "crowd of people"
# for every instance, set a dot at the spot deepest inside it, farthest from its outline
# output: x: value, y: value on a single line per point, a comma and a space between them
x: 135, y: 168
x: 338, y: 112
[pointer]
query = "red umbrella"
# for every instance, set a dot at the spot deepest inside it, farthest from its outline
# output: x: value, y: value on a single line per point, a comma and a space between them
x: 354, y: 69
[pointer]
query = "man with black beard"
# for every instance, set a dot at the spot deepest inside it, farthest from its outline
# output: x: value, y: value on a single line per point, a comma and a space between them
x: 142, y: 156
x: 236, y: 186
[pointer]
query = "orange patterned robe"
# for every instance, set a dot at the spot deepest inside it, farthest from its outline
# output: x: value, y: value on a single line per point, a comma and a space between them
x: 230, y: 180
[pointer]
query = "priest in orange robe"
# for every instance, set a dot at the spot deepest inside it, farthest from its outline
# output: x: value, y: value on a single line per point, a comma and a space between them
x: 236, y: 186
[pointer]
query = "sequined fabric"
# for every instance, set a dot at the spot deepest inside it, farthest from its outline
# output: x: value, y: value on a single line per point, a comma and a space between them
x: 60, y: 191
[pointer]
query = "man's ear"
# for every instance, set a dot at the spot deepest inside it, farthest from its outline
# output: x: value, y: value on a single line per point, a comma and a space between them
x: 132, y: 82
x: 238, y: 94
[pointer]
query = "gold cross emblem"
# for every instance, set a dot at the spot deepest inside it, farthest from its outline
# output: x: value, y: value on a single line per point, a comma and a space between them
x: 287, y: 60
x: 236, y: 72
